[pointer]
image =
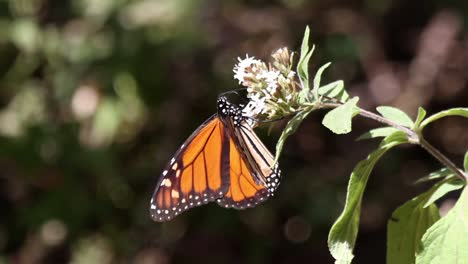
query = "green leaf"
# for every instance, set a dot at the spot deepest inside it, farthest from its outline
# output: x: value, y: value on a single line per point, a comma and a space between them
x: 305, y: 44
x: 446, y: 241
x: 449, y: 184
x: 303, y: 64
x: 342, y: 236
x: 451, y: 112
x: 334, y: 90
x: 411, y: 220
x: 338, y: 120
x: 318, y: 78
x: 290, y: 128
x: 465, y: 162
x: 396, y: 115
x: 421, y: 115
x: 378, y: 132
x: 406, y: 227
x: 442, y: 173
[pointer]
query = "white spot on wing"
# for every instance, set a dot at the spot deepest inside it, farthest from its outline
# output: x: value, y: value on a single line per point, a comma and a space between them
x: 166, y: 182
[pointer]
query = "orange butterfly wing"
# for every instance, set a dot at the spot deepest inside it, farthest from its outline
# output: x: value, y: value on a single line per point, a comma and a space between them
x: 196, y: 175
x: 252, y: 175
x: 243, y: 191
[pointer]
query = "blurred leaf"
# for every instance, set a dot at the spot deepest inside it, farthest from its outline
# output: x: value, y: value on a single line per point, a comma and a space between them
x: 339, y: 119
x: 318, y: 78
x: 26, y: 108
x: 5, y: 25
x: 420, y: 118
x: 290, y: 128
x: 303, y: 63
x: 342, y: 236
x: 95, y: 249
x: 105, y: 124
x: 395, y: 115
x: 334, y: 90
x: 25, y: 34
x: 97, y: 10
x: 451, y: 112
x: 341, y: 47
x: 406, y: 226
x: 442, y: 173
x: 447, y: 239
x: 378, y: 132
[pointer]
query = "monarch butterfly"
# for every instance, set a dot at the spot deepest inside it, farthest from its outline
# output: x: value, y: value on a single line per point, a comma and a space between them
x: 222, y: 161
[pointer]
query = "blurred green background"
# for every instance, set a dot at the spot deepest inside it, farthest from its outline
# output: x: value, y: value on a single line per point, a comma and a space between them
x: 96, y: 96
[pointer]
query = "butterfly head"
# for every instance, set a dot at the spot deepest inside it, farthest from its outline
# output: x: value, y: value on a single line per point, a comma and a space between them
x: 227, y: 109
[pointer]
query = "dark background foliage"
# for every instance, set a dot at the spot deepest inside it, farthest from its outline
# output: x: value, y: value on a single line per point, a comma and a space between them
x: 96, y: 95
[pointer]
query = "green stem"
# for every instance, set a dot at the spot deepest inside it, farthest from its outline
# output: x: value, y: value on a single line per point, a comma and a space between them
x: 442, y: 158
x: 413, y: 138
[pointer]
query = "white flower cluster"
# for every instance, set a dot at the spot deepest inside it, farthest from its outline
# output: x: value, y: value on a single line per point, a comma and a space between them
x: 271, y: 89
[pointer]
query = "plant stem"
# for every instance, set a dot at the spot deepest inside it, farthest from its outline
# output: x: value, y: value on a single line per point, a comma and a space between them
x: 413, y: 138
x: 442, y: 158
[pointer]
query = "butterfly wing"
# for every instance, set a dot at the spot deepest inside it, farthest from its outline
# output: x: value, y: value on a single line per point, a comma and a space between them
x: 261, y: 159
x: 196, y: 175
x: 252, y: 175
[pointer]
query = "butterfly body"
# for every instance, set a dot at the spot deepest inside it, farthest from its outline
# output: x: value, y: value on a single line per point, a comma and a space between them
x: 222, y: 161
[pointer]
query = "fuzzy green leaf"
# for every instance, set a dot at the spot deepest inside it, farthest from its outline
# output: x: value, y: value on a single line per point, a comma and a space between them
x: 342, y: 236
x: 420, y: 118
x: 339, y: 119
x: 446, y: 241
x: 334, y: 90
x: 318, y: 78
x: 449, y: 184
x: 442, y: 173
x: 290, y: 128
x: 411, y: 220
x: 406, y: 227
x: 378, y: 132
x: 305, y: 44
x: 303, y: 64
x: 396, y: 115
x: 451, y: 112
